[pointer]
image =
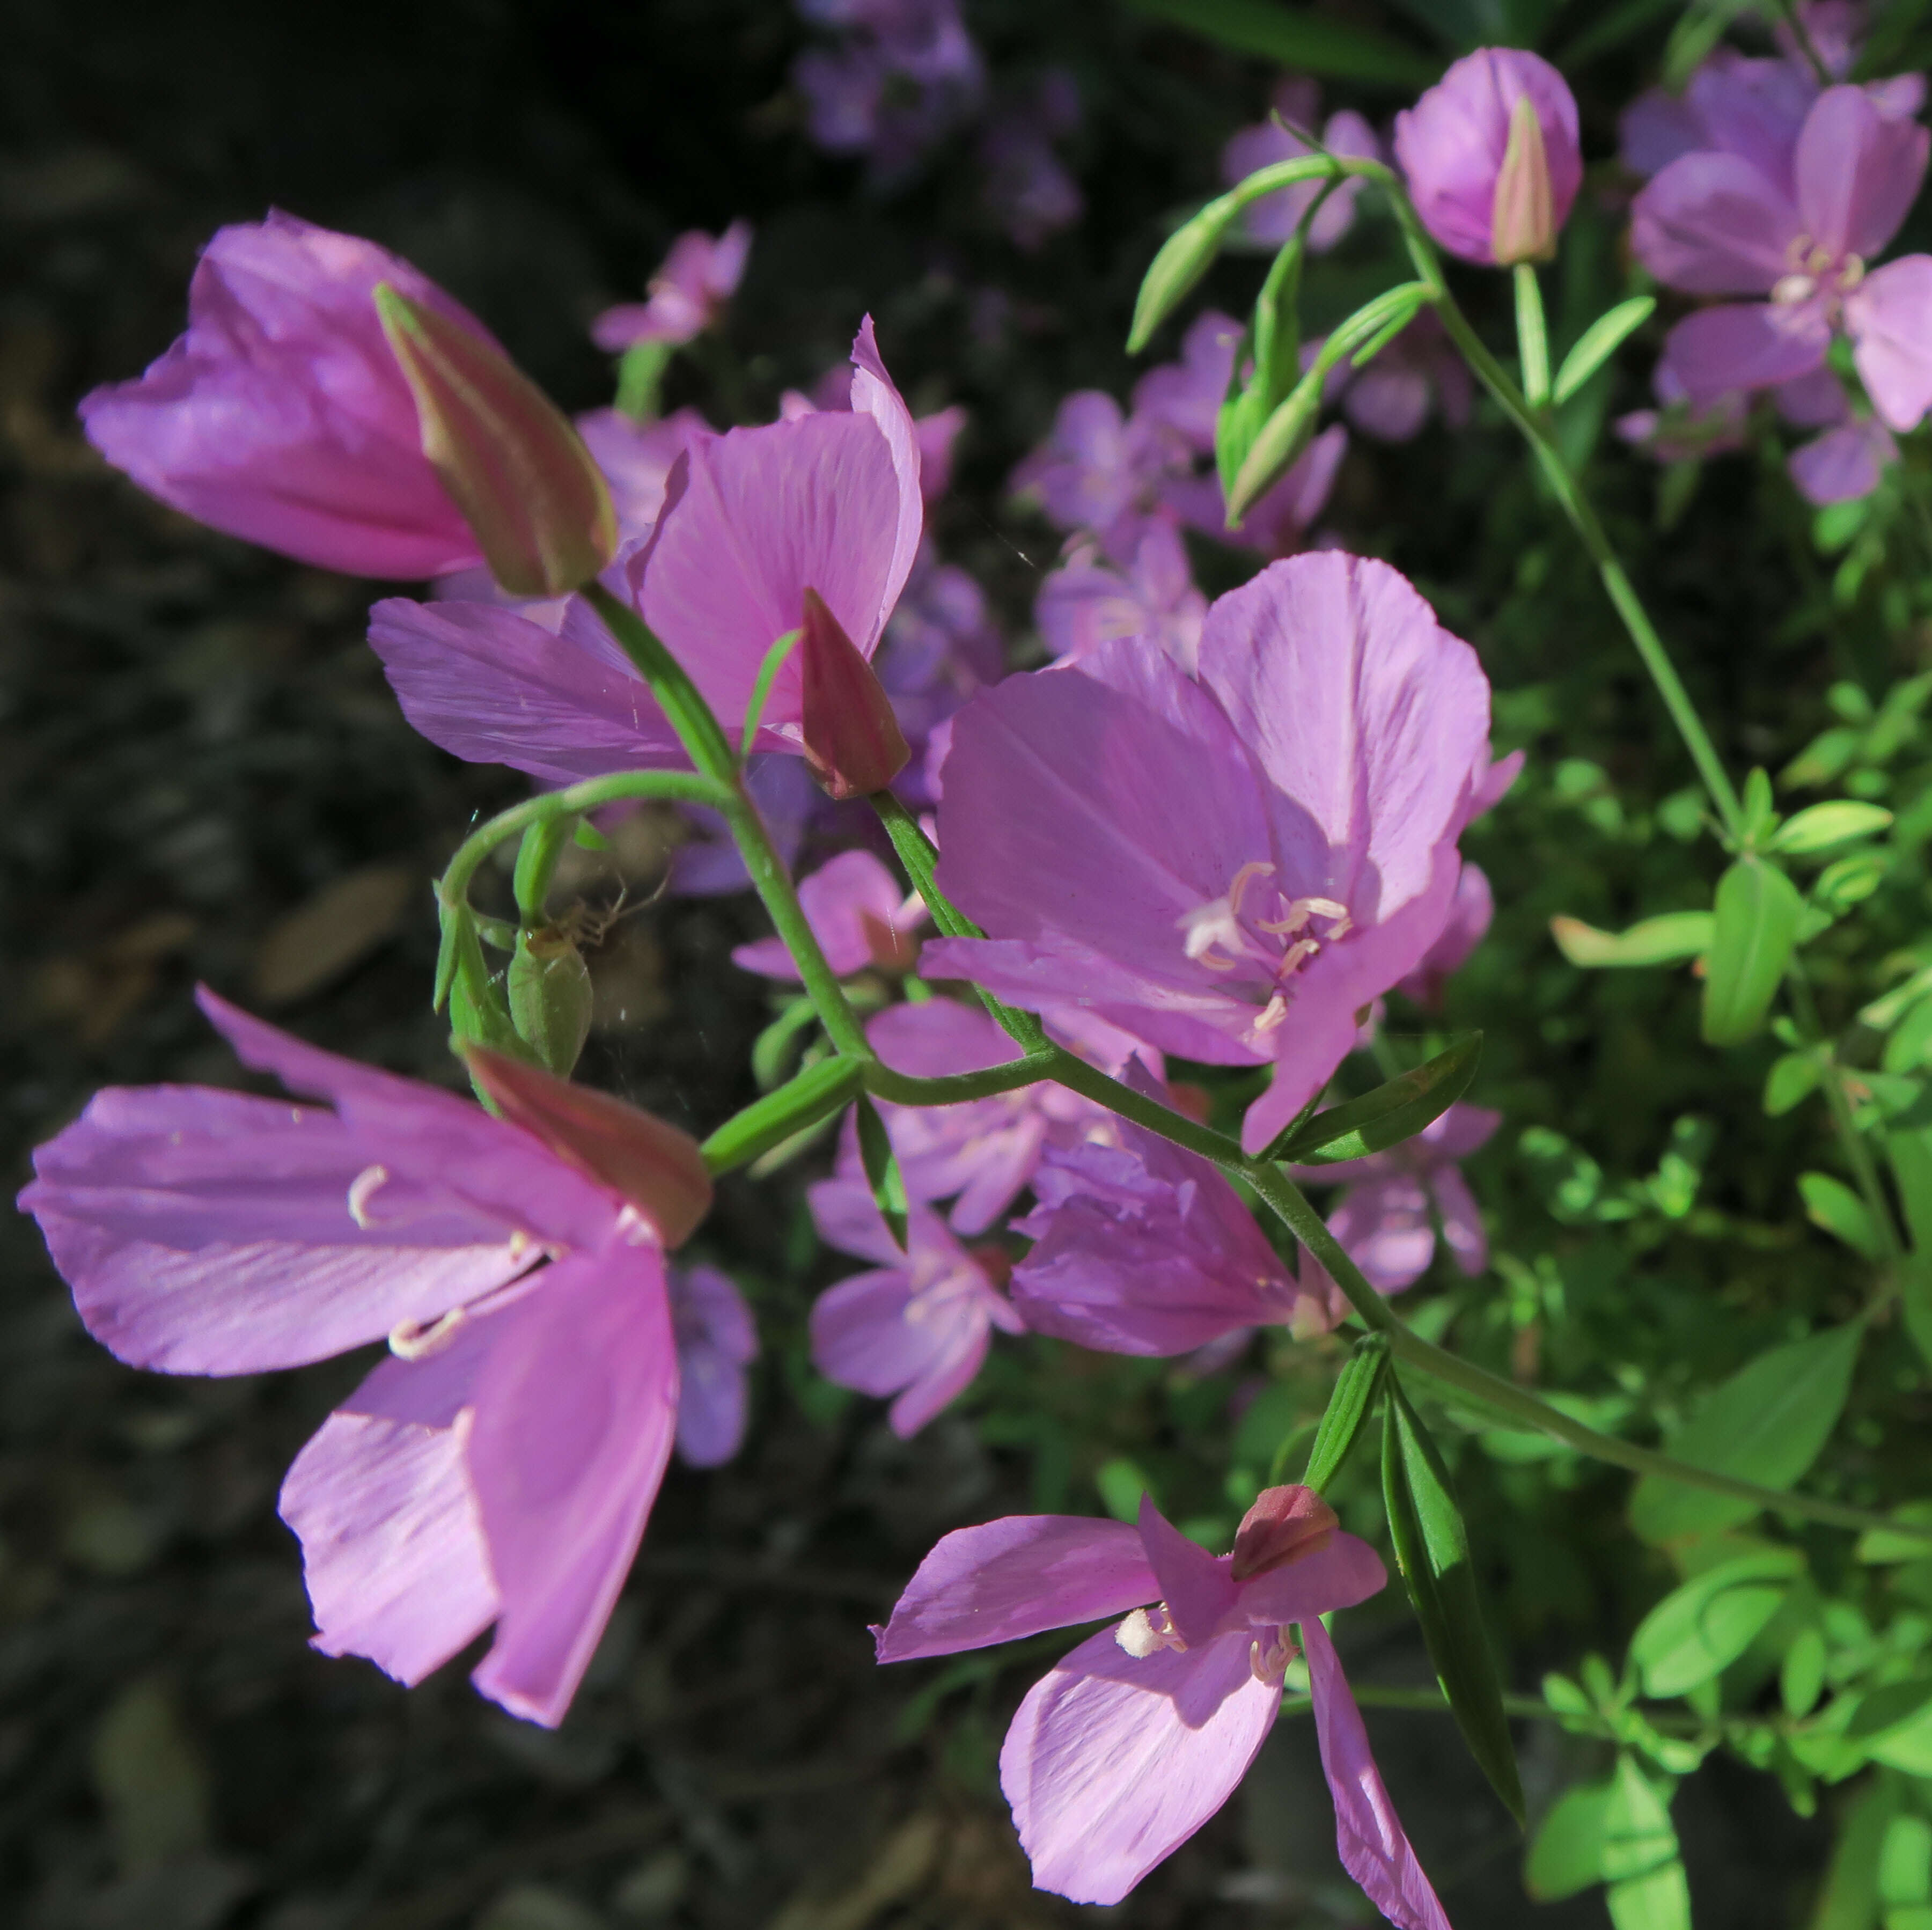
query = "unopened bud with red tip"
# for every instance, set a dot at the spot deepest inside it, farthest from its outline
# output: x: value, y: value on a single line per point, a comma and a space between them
x: 1523, y: 226
x: 659, y: 1169
x: 532, y: 496
x: 1285, y: 1524
x: 852, y: 740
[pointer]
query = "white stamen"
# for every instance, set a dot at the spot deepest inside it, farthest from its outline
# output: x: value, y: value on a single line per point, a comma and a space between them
x: 365, y: 1183
x: 1270, y: 1664
x: 1147, y: 1630
x: 410, y: 1340
x: 1272, y: 1014
x: 1254, y: 868
x: 1789, y: 289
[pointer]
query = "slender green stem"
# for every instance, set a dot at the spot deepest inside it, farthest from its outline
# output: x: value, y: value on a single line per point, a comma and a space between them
x: 536, y: 865
x: 1532, y: 336
x: 795, y: 1107
x: 1851, y: 1141
x: 955, y: 1088
x: 761, y: 691
x: 703, y: 738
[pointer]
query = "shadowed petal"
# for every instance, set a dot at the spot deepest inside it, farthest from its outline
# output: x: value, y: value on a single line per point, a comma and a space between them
x: 1368, y: 1835
x: 1015, y: 1578
x: 1346, y: 1571
x: 1114, y: 1761
x: 575, y: 1409
x: 716, y: 1341
x: 1753, y: 346
x: 1712, y: 224
x: 1462, y: 1220
x: 1890, y: 318
x: 1198, y: 1588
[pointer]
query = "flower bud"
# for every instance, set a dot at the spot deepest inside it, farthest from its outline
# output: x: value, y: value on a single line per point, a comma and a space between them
x: 1284, y: 1525
x: 1184, y: 257
x: 852, y: 740
x: 1283, y: 437
x: 550, y: 997
x: 1523, y: 226
x: 659, y: 1169
x: 535, y: 501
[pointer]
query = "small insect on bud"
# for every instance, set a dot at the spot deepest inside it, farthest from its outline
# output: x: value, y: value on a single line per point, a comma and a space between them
x: 534, y: 499
x: 550, y: 996
x: 1285, y: 1525
x: 852, y: 740
x: 659, y: 1169
x: 1523, y: 224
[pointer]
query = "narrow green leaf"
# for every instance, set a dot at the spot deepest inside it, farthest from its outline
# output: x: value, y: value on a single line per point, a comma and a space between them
x: 882, y: 1171
x: 1641, y: 1865
x: 1832, y: 1205
x: 1696, y: 1631
x: 1393, y: 1112
x: 1893, y: 1724
x: 1767, y: 1423
x: 1793, y: 1078
x: 1567, y: 1855
x: 1820, y: 827
x: 1349, y: 1407
x: 1275, y: 330
x: 1663, y: 940
x: 1299, y: 37
x: 1910, y: 1152
x: 1757, y: 912
x: 1431, y: 1548
x: 1886, y: 1544
x: 1850, y: 1899
x: 1598, y: 343
x: 772, y: 1050
x: 773, y: 662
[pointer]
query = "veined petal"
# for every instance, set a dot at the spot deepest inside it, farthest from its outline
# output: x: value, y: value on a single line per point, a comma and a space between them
x: 205, y: 1231
x: 392, y: 1545
x: 1346, y: 1571
x: 1114, y: 1760
x: 1857, y: 172
x: 1369, y: 1834
x: 574, y: 1412
x: 1015, y: 1578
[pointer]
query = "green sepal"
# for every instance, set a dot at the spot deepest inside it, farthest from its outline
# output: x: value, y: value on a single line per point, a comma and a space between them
x: 1755, y: 933
x: 1348, y: 1409
x: 797, y: 1106
x: 1385, y: 1118
x: 882, y: 1171
x: 1431, y: 1548
x: 1598, y: 343
x: 1182, y: 259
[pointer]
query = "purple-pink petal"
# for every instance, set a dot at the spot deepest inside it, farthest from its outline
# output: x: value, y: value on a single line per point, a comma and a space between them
x: 1113, y: 1760
x: 1889, y: 318
x: 1197, y: 1589
x: 1338, y: 1576
x: 716, y: 1342
x: 1858, y: 173
x: 1015, y: 1578
x: 857, y: 912
x: 1756, y: 345
x: 1711, y: 223
x: 1369, y: 1834
x: 575, y: 1409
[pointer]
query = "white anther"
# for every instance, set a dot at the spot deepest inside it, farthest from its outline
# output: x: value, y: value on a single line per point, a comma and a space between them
x: 1272, y: 1013
x: 365, y: 1184
x: 1147, y: 1630
x: 1269, y: 1657
x: 410, y: 1340
x: 1788, y: 289
x: 1254, y: 868
x: 1852, y: 273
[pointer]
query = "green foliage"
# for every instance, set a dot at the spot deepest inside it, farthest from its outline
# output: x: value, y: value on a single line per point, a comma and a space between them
x: 1395, y: 1111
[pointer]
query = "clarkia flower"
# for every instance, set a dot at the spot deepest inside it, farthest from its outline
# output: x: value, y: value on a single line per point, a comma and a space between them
x: 687, y: 294
x: 1714, y: 224
x: 917, y: 1324
x: 717, y: 1341
x: 1229, y: 867
x: 282, y: 416
x: 1492, y: 182
x: 752, y: 519
x: 501, y: 1466
x: 1099, y: 468
x: 1133, y: 1740
x: 1382, y: 1219
x: 1271, y: 220
x: 859, y: 915
x: 1143, y: 1247
x: 1087, y: 602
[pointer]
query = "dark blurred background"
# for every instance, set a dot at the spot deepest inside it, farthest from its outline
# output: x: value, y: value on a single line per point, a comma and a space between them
x: 202, y: 776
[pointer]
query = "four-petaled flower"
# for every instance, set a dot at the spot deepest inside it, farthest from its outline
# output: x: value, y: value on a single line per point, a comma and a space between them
x: 687, y: 294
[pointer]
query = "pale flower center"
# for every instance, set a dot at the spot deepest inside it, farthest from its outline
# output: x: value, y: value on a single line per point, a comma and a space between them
x: 1813, y: 271
x: 1256, y: 930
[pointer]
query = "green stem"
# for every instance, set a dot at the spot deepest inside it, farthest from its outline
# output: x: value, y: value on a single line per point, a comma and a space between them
x: 703, y: 738
x: 795, y: 1107
x: 903, y: 1089
x: 536, y: 865
x: 1532, y: 336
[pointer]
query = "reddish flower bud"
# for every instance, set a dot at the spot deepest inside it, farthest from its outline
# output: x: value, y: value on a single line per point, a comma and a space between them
x: 658, y: 1169
x: 1284, y: 1525
x: 1522, y: 225
x: 852, y: 740
x: 535, y: 499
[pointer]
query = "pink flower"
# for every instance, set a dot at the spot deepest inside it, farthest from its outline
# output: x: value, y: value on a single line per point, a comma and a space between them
x: 1087, y: 602
x: 282, y: 416
x: 688, y: 294
x: 1098, y: 470
x: 1142, y: 1248
x: 1229, y: 867
x: 1453, y: 145
x: 1715, y: 224
x: 1470, y: 913
x: 918, y: 1324
x: 501, y: 1467
x: 1382, y: 1220
x: 1276, y: 217
x: 716, y: 1342
x: 1131, y: 1742
x: 857, y: 913
x: 984, y: 1150
x: 752, y: 520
